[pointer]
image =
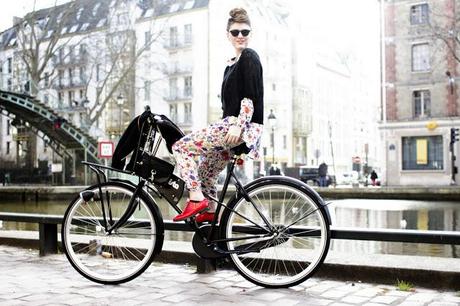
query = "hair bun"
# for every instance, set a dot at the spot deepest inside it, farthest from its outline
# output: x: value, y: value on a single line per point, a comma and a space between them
x: 238, y: 12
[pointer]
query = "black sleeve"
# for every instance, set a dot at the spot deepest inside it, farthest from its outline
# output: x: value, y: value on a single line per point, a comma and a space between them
x: 251, y: 75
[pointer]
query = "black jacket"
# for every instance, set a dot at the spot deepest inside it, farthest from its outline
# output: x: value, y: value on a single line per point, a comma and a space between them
x: 244, y: 80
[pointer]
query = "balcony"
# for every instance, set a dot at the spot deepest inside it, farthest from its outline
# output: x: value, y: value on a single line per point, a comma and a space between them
x: 173, y: 45
x: 175, y: 70
x: 69, y: 61
x: 70, y: 84
x: 179, y: 97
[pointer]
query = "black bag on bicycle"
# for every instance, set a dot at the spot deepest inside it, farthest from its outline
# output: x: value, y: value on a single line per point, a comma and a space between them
x: 153, y: 169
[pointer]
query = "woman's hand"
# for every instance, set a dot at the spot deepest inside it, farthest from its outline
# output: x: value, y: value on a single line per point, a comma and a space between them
x: 233, y: 136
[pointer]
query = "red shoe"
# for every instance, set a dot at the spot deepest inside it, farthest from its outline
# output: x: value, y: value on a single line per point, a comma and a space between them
x: 206, y: 216
x: 192, y: 208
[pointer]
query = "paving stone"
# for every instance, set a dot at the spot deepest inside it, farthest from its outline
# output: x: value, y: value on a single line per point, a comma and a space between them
x: 385, y: 299
x: 422, y: 297
x: 354, y: 299
x: 443, y: 304
x: 333, y: 294
x: 369, y: 292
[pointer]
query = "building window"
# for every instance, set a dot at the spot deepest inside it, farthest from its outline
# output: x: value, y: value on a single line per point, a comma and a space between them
x: 9, y: 84
x: 173, y: 112
x: 8, y: 127
x: 47, y: 79
x: 10, y: 65
x: 422, y: 153
x: 422, y: 103
x: 284, y: 142
x: 82, y: 75
x: 148, y: 37
x: 60, y: 98
x: 420, y: 57
x: 419, y: 14
x: 98, y: 72
x: 187, y: 34
x: 60, y: 77
x: 173, y: 42
x: 273, y: 86
x: 188, y: 86
x: 173, y: 88
x: 147, y: 90
x: 71, y: 97
x: 188, y: 112
x: 70, y: 76
x: 8, y: 147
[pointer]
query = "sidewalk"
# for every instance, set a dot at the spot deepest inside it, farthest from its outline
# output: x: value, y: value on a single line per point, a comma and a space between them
x: 27, y: 279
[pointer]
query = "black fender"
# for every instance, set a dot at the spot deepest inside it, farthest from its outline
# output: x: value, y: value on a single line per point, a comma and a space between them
x: 291, y: 181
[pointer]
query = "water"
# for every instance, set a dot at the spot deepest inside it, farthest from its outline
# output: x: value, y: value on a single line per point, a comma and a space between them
x: 359, y: 213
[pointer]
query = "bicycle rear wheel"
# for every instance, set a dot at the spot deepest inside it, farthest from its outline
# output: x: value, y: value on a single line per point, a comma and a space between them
x: 288, y: 251
x: 120, y: 256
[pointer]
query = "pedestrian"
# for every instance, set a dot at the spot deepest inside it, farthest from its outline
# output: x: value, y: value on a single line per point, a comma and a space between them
x: 275, y: 170
x: 322, y: 173
x: 242, y: 105
x: 374, y: 177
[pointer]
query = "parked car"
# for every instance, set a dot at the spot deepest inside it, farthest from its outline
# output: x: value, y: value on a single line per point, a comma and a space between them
x: 310, y: 176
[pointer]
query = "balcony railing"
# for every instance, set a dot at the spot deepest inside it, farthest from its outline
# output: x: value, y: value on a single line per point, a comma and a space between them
x: 178, y: 97
x: 70, y: 60
x: 74, y: 83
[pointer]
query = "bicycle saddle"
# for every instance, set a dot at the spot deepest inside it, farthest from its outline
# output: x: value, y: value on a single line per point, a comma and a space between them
x: 240, y: 149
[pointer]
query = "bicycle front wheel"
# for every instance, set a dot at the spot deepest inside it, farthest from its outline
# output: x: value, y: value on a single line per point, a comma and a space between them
x: 118, y: 256
x: 280, y: 237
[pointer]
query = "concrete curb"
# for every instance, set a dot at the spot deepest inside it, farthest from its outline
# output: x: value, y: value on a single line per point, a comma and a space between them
x: 68, y: 193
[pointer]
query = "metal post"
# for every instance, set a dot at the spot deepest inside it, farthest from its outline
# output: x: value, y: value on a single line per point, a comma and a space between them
x: 273, y: 142
x: 48, y: 238
x: 86, y: 168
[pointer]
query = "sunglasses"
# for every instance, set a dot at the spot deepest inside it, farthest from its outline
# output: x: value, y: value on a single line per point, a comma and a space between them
x: 235, y: 33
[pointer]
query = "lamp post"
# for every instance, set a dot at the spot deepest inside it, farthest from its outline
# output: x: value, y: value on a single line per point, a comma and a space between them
x: 120, y: 102
x: 272, y: 123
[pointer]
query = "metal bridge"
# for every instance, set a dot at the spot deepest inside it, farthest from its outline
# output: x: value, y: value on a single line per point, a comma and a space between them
x: 60, y: 135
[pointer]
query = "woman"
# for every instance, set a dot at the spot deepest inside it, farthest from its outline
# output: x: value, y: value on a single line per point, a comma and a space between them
x: 242, y: 105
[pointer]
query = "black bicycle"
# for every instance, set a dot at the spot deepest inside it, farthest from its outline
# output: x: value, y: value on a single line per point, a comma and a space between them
x: 275, y: 229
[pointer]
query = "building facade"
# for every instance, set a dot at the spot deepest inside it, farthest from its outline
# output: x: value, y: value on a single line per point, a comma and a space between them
x: 114, y: 57
x: 421, y: 102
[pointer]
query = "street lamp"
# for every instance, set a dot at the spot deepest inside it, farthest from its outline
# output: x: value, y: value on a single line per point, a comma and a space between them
x: 272, y: 123
x: 120, y: 102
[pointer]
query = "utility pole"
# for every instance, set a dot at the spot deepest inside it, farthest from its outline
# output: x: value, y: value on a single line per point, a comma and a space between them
x: 454, y: 134
x: 332, y: 148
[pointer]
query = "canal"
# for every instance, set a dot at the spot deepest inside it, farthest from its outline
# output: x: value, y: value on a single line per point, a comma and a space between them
x: 358, y: 213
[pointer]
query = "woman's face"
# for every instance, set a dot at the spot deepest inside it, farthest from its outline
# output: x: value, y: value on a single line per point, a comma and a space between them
x: 238, y: 35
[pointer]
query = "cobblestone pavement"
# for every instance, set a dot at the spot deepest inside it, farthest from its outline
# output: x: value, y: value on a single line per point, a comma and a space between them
x: 27, y: 279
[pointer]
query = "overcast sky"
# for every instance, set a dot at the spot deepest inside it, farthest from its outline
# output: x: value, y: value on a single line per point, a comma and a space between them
x: 21, y: 7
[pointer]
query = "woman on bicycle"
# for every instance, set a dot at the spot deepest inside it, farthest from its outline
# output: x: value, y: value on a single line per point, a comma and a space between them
x: 242, y: 104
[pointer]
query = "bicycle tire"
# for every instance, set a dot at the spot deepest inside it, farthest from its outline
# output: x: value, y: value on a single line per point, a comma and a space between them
x: 296, y: 252
x: 119, y: 257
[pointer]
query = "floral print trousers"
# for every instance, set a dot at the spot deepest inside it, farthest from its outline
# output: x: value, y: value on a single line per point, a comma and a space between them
x: 213, y: 154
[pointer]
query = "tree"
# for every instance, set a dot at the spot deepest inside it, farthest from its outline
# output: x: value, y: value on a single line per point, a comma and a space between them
x: 39, y: 35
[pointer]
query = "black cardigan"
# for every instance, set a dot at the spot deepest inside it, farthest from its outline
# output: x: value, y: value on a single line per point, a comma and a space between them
x: 244, y: 80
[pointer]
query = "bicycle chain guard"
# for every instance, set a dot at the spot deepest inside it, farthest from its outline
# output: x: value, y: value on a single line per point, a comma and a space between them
x: 201, y: 249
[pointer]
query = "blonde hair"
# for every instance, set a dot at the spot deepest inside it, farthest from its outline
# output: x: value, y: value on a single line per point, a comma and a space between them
x: 238, y: 15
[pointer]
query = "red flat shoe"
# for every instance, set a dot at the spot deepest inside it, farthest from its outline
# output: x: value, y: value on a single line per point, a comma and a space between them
x: 205, y: 217
x: 192, y: 208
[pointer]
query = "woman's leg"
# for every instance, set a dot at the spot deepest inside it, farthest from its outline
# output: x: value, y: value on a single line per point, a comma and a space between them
x: 211, y: 165
x: 200, y: 143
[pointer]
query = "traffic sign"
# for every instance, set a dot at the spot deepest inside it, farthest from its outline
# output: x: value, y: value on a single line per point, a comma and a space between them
x: 105, y: 149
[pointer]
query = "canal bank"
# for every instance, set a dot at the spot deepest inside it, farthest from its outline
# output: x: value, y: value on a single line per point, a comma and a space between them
x: 67, y: 193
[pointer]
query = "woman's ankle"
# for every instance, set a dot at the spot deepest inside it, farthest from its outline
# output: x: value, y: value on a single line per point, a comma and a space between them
x: 196, y: 196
